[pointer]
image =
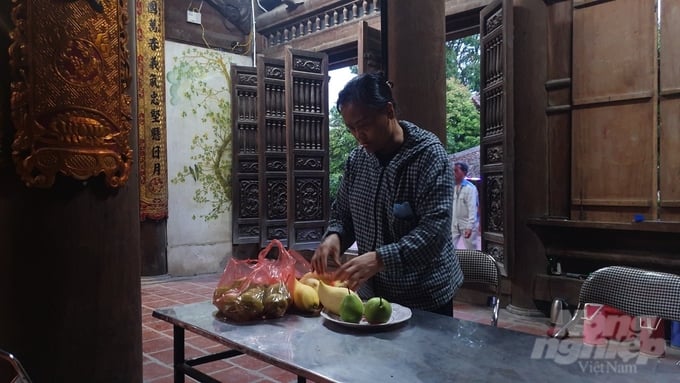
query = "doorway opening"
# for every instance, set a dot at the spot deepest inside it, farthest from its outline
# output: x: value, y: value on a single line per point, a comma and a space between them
x: 463, y: 116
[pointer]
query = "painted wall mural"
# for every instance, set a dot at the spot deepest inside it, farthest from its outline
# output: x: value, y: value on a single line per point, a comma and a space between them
x: 210, y: 165
x: 199, y: 157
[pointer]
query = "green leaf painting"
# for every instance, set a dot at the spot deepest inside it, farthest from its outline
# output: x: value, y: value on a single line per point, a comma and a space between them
x: 210, y: 149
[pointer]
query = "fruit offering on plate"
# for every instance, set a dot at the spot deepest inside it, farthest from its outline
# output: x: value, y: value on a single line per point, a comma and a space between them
x: 331, y: 297
x: 377, y: 310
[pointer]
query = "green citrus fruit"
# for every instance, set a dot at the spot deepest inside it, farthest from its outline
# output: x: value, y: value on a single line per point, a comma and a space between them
x: 377, y: 310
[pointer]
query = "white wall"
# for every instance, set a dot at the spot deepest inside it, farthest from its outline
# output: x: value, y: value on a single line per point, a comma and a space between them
x: 195, y: 245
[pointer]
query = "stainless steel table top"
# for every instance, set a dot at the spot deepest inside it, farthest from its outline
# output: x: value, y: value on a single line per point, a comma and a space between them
x: 427, y: 348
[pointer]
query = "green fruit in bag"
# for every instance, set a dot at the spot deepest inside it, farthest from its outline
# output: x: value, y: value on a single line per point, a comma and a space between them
x: 275, y: 305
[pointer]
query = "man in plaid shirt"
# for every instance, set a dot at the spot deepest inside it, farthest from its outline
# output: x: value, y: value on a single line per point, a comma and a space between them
x: 395, y: 201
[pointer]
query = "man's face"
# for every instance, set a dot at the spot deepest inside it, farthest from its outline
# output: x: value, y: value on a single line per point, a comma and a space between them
x: 458, y: 174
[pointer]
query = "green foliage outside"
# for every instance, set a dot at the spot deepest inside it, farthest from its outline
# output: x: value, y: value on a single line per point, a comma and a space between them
x: 211, y: 149
x: 462, y: 73
x: 462, y: 61
x: 342, y: 143
x: 462, y: 117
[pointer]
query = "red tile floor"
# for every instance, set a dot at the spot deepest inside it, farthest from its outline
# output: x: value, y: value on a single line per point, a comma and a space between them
x: 157, y: 334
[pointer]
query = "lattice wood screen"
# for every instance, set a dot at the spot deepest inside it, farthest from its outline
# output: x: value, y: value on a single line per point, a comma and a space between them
x: 280, y: 135
x: 246, y: 162
x: 497, y: 131
x: 307, y: 122
x: 274, y: 156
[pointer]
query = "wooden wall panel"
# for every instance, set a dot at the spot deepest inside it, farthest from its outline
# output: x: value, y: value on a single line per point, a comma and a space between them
x: 669, y: 177
x: 669, y: 165
x: 670, y: 46
x: 614, y: 60
x: 614, y: 127
x: 613, y: 177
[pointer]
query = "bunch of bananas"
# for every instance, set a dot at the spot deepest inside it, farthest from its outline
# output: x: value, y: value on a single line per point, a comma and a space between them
x: 313, y: 290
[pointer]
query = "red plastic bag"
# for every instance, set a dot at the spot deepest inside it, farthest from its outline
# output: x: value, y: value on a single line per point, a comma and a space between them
x: 259, y: 288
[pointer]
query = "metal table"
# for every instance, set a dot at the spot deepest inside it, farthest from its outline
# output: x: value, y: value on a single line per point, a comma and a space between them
x: 426, y: 348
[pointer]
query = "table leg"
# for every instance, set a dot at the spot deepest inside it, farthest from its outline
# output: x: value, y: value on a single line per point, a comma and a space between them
x: 178, y: 353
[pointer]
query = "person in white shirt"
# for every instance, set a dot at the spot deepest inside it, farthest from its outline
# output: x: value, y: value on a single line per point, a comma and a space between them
x: 465, y: 204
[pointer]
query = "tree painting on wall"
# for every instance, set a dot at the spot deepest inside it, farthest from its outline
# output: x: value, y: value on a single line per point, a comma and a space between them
x: 210, y: 148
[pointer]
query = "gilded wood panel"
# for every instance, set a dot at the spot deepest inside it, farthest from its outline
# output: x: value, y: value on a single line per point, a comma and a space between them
x: 151, y: 121
x: 70, y: 76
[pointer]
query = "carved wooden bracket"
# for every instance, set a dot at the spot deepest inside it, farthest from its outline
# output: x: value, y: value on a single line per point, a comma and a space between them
x: 70, y: 107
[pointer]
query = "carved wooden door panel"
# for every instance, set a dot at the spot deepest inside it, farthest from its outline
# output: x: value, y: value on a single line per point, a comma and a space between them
x: 245, y: 161
x: 369, y: 51
x: 497, y: 131
x: 273, y: 153
x: 307, y: 136
x: 280, y: 150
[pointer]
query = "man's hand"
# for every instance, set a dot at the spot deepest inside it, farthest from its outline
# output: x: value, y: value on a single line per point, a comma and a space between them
x: 467, y: 233
x: 329, y: 247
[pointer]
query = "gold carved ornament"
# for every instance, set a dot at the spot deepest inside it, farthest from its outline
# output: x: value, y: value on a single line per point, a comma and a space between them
x: 69, y: 102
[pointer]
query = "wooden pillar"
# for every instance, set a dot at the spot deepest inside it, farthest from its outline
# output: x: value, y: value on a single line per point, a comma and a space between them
x: 70, y: 306
x: 531, y: 158
x: 416, y: 37
x: 71, y: 303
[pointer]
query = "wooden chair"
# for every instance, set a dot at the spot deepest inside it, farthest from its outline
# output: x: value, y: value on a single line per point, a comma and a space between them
x: 637, y: 292
x: 11, y: 370
x: 482, y: 273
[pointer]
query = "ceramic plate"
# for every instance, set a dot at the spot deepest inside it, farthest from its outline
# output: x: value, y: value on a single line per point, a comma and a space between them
x: 400, y: 314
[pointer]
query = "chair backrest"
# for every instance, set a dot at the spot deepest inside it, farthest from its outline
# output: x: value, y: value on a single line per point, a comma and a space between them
x: 479, y: 268
x: 11, y: 370
x: 634, y: 291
